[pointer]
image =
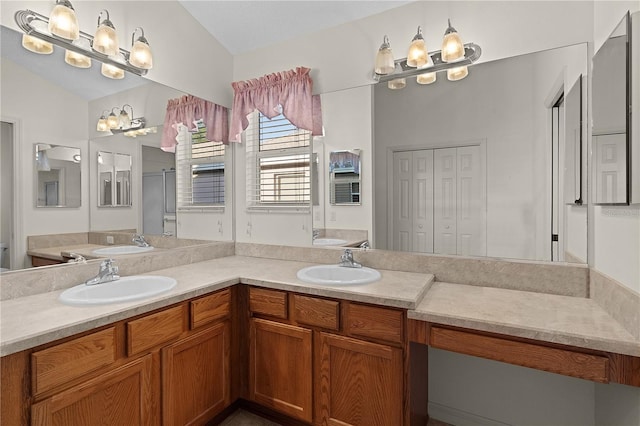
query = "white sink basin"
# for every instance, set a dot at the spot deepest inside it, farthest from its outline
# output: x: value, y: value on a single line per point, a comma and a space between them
x: 338, y: 275
x: 328, y: 242
x: 125, y: 289
x: 115, y: 250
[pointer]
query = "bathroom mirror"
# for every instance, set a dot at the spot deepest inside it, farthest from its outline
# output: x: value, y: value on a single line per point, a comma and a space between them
x: 114, y: 179
x: 473, y: 168
x: 58, y: 177
x: 344, y: 177
x: 611, y: 84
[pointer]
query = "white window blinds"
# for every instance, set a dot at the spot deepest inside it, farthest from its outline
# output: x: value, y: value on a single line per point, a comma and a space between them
x: 201, y: 168
x: 278, y: 163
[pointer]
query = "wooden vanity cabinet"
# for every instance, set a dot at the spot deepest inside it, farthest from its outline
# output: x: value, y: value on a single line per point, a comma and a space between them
x: 361, y: 383
x: 170, y: 366
x: 44, y: 261
x: 196, y: 376
x: 280, y: 368
x: 118, y: 397
x: 327, y: 362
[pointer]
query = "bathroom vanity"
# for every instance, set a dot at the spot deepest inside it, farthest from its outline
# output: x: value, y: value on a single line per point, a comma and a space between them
x: 240, y: 330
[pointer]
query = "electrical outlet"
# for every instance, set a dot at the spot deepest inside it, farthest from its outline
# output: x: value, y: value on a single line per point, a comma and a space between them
x: 109, y: 239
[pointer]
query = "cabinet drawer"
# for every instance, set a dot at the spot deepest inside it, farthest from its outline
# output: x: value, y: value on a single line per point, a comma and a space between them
x: 317, y: 312
x: 374, y: 322
x: 268, y: 302
x: 67, y: 361
x: 152, y: 330
x: 210, y: 308
x: 555, y: 360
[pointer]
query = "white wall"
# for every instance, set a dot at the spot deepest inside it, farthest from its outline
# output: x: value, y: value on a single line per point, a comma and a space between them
x: 44, y: 111
x: 465, y: 390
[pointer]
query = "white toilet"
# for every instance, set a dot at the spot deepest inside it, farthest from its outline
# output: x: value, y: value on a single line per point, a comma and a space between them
x: 3, y: 253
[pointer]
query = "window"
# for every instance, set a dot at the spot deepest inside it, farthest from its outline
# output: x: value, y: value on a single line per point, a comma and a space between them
x: 278, y: 163
x: 200, y: 164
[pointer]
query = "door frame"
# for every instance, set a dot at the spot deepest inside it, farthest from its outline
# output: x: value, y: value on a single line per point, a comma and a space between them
x: 17, y: 239
x: 482, y: 143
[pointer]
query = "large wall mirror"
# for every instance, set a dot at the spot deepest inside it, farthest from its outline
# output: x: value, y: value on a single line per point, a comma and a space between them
x: 611, y: 131
x: 58, y: 177
x: 63, y: 91
x: 482, y: 166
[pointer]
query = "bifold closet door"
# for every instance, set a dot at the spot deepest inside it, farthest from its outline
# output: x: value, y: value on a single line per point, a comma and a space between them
x: 413, y: 201
x: 459, y: 212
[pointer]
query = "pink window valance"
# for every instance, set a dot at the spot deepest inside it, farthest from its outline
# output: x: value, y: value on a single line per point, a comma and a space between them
x: 188, y: 109
x: 287, y: 92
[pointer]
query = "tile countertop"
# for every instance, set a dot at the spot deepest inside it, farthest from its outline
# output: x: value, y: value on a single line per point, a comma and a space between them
x: 30, y: 321
x: 565, y: 320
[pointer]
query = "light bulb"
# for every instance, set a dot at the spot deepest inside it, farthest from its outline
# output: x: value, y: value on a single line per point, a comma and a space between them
x: 76, y: 59
x: 398, y: 83
x: 417, y: 56
x: 452, y: 47
x: 112, y: 121
x: 111, y: 71
x: 35, y: 45
x: 105, y: 40
x: 63, y: 21
x: 124, y: 121
x: 426, y: 78
x: 102, y: 125
x: 384, y: 59
x: 140, y: 55
x: 458, y: 73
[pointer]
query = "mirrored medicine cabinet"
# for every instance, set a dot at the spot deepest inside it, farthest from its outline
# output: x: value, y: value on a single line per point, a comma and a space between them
x: 616, y: 164
x: 114, y: 179
x: 57, y: 176
x: 344, y: 177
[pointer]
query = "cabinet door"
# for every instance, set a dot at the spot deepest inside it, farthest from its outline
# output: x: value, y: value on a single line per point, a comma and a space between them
x: 195, y: 376
x: 360, y: 383
x: 280, y: 368
x: 119, y: 397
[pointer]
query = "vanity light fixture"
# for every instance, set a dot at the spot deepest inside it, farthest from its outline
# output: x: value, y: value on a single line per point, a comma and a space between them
x: 140, y: 56
x: 454, y: 57
x: 112, y: 120
x: 121, y: 123
x: 63, y: 21
x: 105, y: 40
x: 417, y: 56
x: 103, y: 126
x: 124, y: 120
x: 113, y: 71
x: 76, y: 59
x: 61, y: 29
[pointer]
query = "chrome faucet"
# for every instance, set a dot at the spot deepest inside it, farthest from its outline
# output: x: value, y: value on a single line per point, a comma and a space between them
x: 108, y: 272
x: 365, y: 246
x: 139, y: 240
x: 75, y: 258
x: 347, y: 261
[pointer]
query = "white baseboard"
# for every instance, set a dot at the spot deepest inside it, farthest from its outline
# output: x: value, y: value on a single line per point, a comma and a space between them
x: 457, y: 417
